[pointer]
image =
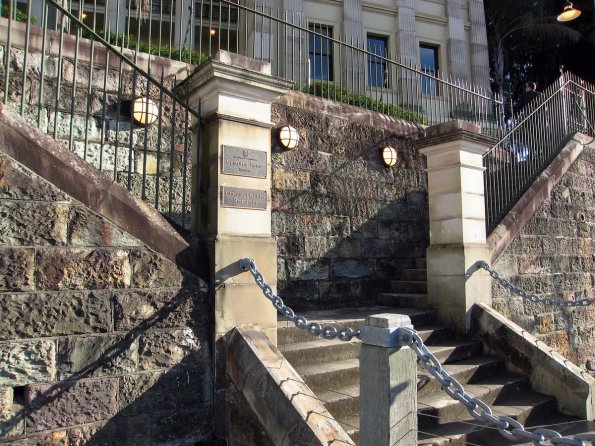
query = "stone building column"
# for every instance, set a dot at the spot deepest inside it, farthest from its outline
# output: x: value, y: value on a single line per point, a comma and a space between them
x: 35, y: 10
x: 232, y: 195
x: 354, y: 65
x: 295, y: 47
x: 457, y: 220
x: 116, y: 16
x: 407, y: 51
x: 480, y: 64
x: 183, y: 35
x: 457, y: 45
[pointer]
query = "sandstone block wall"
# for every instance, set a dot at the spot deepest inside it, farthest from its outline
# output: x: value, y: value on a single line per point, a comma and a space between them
x: 345, y: 223
x: 102, y: 340
x: 554, y: 255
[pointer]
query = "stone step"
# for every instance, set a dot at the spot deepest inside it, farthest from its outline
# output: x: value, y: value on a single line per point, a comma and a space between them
x: 419, y: 274
x: 319, y: 351
x: 465, y: 430
x: 409, y: 286
x: 331, y: 375
x: 288, y: 333
x: 529, y: 408
x: 421, y: 263
x: 403, y: 300
x: 344, y: 400
x: 438, y: 406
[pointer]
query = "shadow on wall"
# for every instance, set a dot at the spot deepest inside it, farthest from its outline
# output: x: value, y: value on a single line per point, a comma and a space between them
x: 345, y: 224
x: 168, y: 402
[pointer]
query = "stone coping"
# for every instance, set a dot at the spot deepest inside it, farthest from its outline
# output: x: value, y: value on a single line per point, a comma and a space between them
x: 548, y: 371
x: 512, y: 224
x: 47, y: 158
x: 170, y: 68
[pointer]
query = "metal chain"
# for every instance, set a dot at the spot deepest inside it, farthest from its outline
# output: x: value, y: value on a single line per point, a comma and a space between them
x: 510, y: 428
x: 584, y: 302
x: 315, y: 329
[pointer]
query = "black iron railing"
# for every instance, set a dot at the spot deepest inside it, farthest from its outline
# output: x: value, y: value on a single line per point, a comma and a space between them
x: 313, y: 55
x: 537, y: 134
x: 82, y: 92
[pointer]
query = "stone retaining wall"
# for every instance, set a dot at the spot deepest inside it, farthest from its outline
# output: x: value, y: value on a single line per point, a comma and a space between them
x: 102, y: 340
x: 554, y: 255
x: 345, y: 223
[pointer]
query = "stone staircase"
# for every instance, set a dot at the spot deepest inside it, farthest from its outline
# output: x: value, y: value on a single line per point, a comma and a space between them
x: 331, y: 370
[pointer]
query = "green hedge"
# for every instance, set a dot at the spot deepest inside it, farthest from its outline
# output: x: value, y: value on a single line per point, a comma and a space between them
x: 336, y: 92
x: 184, y: 55
x: 19, y: 17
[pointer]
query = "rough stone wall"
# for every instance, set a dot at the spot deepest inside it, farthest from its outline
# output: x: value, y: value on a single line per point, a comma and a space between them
x: 554, y: 255
x: 102, y: 340
x: 345, y: 223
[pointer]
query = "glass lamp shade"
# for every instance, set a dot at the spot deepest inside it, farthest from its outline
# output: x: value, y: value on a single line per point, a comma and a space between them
x: 289, y: 138
x: 144, y: 111
x: 569, y: 13
x: 389, y: 156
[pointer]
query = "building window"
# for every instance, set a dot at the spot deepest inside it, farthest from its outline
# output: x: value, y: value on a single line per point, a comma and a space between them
x: 428, y: 55
x: 320, y: 52
x: 377, y: 69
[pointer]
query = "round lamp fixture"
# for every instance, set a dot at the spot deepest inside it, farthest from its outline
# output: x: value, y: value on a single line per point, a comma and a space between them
x: 569, y: 13
x: 144, y: 111
x: 389, y: 156
x: 288, y: 137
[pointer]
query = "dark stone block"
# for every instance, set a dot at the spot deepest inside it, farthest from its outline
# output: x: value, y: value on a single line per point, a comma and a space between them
x: 70, y: 403
x: 60, y: 268
x: 26, y: 224
x: 28, y: 315
x: 17, y: 269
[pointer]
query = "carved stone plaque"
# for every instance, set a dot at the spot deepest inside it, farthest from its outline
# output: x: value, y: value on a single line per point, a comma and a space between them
x: 236, y: 197
x: 244, y: 162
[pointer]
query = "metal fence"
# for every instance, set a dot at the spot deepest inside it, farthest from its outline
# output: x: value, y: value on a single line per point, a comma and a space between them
x: 86, y: 93
x: 313, y: 55
x: 537, y: 134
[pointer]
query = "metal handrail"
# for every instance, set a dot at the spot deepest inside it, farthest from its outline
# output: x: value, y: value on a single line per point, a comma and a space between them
x: 519, y: 157
x: 84, y: 97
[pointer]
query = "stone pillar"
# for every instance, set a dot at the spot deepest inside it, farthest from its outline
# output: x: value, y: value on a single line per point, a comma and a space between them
x: 116, y: 16
x: 457, y: 46
x: 232, y: 195
x: 354, y: 65
x: 457, y: 220
x: 388, y: 384
x: 480, y: 64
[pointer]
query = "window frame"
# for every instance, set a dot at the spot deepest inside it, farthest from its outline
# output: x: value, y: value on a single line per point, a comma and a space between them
x: 430, y: 86
x: 326, y: 52
x: 372, y: 65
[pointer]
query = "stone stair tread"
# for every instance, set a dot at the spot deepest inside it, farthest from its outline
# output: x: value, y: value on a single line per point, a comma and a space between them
x: 315, y: 343
x: 347, y: 315
x: 407, y: 295
x: 316, y: 369
x: 462, y: 365
x: 440, y: 400
x: 345, y: 392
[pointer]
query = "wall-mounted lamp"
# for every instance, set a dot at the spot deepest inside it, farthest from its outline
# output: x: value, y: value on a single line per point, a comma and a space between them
x: 569, y: 13
x: 288, y: 137
x: 389, y: 156
x: 213, y: 31
x: 144, y: 111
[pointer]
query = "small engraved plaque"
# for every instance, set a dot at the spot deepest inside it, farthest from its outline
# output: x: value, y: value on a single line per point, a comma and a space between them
x: 236, y: 197
x: 244, y: 162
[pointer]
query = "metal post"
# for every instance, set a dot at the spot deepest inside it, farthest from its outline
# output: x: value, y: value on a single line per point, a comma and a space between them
x: 388, y: 384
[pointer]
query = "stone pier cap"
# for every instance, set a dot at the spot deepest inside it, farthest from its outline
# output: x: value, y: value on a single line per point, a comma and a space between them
x: 383, y: 330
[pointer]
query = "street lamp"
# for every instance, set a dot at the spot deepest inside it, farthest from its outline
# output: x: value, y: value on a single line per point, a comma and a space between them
x: 569, y: 13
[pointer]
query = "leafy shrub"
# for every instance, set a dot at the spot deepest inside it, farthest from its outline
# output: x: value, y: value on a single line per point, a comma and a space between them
x: 184, y: 55
x: 336, y: 92
x: 20, y: 15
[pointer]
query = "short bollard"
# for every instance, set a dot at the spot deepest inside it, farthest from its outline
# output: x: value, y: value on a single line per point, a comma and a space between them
x: 388, y: 384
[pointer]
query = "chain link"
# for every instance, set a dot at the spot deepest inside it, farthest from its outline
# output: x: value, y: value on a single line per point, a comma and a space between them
x: 508, y: 427
x: 315, y: 329
x: 583, y: 302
